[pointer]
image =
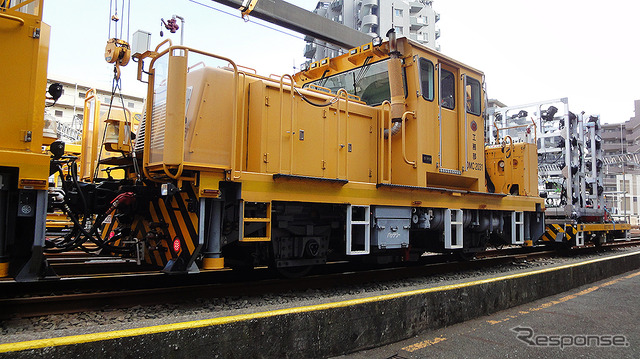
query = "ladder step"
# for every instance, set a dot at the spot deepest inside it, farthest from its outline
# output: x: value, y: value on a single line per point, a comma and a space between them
x: 257, y: 220
x: 260, y: 226
x: 255, y: 239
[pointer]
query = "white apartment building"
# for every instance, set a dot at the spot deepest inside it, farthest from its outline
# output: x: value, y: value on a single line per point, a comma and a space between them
x: 69, y: 109
x: 414, y: 19
x: 626, y: 197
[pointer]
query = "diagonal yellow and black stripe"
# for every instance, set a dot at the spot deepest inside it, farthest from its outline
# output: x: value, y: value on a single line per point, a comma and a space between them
x: 571, y: 232
x: 551, y: 232
x: 180, y: 223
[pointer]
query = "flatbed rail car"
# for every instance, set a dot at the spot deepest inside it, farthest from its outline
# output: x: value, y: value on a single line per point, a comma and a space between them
x: 375, y: 155
x: 570, y: 170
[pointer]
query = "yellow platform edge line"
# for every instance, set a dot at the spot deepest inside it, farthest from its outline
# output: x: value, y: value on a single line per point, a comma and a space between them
x: 116, y: 334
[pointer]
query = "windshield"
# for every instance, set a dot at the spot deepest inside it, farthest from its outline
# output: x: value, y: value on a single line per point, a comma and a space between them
x: 370, y: 82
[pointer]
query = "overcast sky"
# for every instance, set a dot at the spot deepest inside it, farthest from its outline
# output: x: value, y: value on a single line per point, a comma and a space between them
x: 530, y: 51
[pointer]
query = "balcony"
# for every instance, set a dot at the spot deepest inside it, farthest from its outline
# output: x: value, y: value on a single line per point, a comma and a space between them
x: 437, y: 34
x: 369, y: 20
x: 415, y: 6
x: 310, y: 50
x: 369, y: 3
x: 417, y: 22
x: 336, y: 5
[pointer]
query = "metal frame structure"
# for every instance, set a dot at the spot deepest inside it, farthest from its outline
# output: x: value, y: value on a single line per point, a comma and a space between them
x: 569, y: 155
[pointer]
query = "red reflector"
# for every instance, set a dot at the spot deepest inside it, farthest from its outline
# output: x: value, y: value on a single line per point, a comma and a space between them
x: 211, y: 192
x: 176, y: 245
x: 30, y: 183
x: 111, y: 234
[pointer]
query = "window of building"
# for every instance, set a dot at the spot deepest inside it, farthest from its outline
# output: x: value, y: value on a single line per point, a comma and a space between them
x: 130, y: 104
x: 426, y: 79
x: 448, y: 90
x: 473, y: 96
x: 399, y: 30
x: 398, y: 12
x: 82, y: 94
x: 107, y: 99
x: 58, y: 113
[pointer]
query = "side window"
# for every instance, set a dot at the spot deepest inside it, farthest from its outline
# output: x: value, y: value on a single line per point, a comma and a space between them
x: 473, y: 96
x: 426, y: 79
x: 448, y: 90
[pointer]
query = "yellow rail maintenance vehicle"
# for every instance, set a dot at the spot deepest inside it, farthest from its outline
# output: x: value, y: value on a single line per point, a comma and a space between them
x: 24, y: 169
x: 375, y: 155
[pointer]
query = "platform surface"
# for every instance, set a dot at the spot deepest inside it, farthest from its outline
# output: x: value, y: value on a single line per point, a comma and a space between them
x: 560, y: 326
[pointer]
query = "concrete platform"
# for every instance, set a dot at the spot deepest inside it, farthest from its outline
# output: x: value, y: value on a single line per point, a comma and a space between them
x: 333, y: 328
x: 599, y: 320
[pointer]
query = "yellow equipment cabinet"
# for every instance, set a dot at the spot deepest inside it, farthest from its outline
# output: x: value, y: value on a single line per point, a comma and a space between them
x: 513, y: 168
x: 24, y: 169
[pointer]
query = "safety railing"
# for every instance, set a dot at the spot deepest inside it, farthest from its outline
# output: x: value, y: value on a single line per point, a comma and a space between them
x: 174, y: 146
x: 527, y: 127
x: 18, y: 9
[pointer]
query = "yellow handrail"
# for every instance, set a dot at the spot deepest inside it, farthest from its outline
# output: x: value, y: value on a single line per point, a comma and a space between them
x: 291, y: 131
x: 341, y: 146
x: 385, y: 114
x: 12, y: 18
x: 244, y: 81
x: 404, y: 146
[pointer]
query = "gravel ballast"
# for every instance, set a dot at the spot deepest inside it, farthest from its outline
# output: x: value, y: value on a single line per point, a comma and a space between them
x: 109, y: 319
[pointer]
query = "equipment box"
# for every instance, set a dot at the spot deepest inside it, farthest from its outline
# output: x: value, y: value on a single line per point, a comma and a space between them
x: 391, y: 227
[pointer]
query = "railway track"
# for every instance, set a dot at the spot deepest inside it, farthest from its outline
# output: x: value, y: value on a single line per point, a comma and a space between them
x: 93, y: 292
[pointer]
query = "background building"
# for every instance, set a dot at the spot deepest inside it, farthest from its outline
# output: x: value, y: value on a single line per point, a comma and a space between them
x: 69, y: 109
x: 622, y: 178
x: 414, y: 19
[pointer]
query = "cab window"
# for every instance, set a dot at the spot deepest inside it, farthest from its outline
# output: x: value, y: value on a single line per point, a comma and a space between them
x: 426, y: 79
x: 447, y: 89
x: 369, y: 82
x: 473, y: 96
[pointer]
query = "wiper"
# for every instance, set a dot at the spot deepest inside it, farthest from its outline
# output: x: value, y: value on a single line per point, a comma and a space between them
x: 363, y: 71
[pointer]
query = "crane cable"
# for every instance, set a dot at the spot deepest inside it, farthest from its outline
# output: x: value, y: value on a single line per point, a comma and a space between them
x: 116, y: 87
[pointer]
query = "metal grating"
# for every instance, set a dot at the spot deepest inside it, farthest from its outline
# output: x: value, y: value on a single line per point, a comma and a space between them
x: 158, y: 120
x: 139, y: 144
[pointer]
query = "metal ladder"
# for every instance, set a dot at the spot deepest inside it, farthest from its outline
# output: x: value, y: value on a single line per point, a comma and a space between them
x: 517, y: 227
x: 247, y: 221
x: 366, y: 233
x: 455, y: 226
